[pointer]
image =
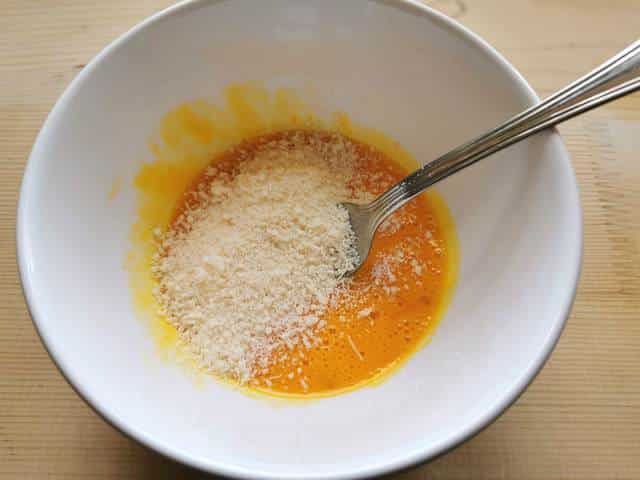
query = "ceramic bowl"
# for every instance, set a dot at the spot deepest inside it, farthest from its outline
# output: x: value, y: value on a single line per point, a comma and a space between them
x: 396, y: 66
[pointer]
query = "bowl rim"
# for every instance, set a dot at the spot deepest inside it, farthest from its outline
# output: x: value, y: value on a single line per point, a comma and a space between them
x: 401, y: 462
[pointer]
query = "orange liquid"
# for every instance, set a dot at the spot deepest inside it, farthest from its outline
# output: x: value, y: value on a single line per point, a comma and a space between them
x: 390, y: 305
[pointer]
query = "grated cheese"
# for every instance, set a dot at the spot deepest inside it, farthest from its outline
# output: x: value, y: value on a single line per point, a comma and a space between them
x: 354, y: 348
x: 247, y: 272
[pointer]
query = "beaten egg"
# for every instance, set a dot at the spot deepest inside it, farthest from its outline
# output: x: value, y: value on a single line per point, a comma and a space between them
x: 386, y: 311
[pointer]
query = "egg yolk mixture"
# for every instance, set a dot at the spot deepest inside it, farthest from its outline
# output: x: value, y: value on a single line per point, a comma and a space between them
x: 378, y: 317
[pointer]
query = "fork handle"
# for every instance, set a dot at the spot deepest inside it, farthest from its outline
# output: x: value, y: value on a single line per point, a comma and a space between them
x: 615, y: 78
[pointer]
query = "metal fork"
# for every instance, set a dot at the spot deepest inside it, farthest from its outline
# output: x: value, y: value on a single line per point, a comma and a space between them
x: 615, y: 78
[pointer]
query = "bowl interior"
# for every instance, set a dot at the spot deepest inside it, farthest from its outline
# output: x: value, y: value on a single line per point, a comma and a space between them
x: 390, y: 65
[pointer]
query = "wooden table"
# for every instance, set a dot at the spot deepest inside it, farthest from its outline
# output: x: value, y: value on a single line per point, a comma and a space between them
x: 579, y: 419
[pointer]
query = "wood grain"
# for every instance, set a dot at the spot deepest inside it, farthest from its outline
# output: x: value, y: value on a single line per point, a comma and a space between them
x: 581, y: 416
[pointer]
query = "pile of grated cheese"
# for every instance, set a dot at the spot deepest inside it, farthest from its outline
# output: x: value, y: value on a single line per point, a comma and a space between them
x: 247, y: 270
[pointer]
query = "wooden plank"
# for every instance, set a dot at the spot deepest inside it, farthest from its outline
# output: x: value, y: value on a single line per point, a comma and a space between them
x: 579, y: 419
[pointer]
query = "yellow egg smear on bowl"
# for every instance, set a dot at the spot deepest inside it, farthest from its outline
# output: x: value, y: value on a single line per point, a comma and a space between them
x: 241, y: 248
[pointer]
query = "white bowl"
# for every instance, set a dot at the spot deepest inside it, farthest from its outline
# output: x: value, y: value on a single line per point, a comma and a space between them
x: 396, y: 66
